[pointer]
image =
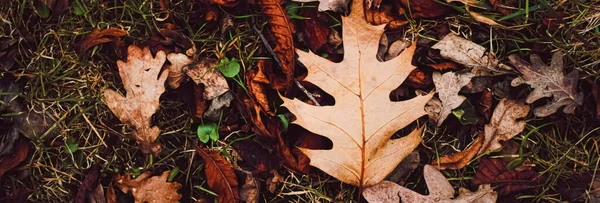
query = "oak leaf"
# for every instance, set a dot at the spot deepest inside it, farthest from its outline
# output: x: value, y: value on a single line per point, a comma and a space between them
x: 471, y: 55
x: 503, y: 125
x: 220, y: 176
x: 139, y: 75
x: 448, y: 85
x: 148, y: 188
x: 548, y: 81
x: 363, y: 119
x: 440, y: 191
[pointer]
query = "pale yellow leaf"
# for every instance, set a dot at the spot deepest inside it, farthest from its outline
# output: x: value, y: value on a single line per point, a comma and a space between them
x: 363, y: 119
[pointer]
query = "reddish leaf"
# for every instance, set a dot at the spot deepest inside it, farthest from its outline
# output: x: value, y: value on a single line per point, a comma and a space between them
x: 502, y: 6
x: 449, y: 65
x: 255, y: 157
x: 554, y: 20
x: 111, y: 197
x: 88, y: 184
x: 384, y: 15
x: 418, y: 79
x: 494, y: 171
x: 224, y: 3
x: 97, y: 37
x: 220, y: 176
x: 424, y: 8
x: 200, y: 103
x: 283, y: 31
x: 256, y: 79
x: 484, y: 105
x: 460, y: 159
x: 596, y: 95
x: 8, y: 162
x: 170, y: 39
x: 315, y: 30
x: 148, y: 188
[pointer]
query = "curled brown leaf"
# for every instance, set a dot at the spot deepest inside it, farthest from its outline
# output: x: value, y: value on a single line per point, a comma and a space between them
x: 220, y: 176
x: 97, y: 37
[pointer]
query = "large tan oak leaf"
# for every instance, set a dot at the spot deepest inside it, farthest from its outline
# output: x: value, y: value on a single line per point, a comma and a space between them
x: 363, y: 119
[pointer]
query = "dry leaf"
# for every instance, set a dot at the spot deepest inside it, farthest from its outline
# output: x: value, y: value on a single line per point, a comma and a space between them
x: 89, y: 183
x: 220, y: 176
x: 470, y: 55
x: 433, y: 109
x: 548, y: 81
x: 460, y: 159
x: 425, y: 8
x: 272, y: 181
x: 440, y: 191
x: 111, y: 197
x: 283, y: 31
x: 340, y: 6
x: 363, y: 118
x: 176, y: 75
x: 448, y: 85
x: 384, y: 15
x: 148, y: 188
x: 57, y: 6
x: 204, y: 72
x: 250, y: 190
x: 97, y: 37
x: 505, y: 7
x: 315, y: 30
x: 495, y: 172
x: 139, y: 75
x: 504, y: 124
x: 8, y: 162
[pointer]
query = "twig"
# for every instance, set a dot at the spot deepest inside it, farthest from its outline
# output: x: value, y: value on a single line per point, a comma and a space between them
x: 268, y: 46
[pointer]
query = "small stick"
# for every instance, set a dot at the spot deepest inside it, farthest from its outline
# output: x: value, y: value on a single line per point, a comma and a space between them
x: 268, y: 46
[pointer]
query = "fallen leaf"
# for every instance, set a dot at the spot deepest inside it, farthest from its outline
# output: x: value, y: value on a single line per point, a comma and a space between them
x: 555, y: 20
x: 283, y: 31
x: 220, y: 175
x: 403, y: 170
x: 495, y: 172
x: 224, y: 3
x: 425, y: 8
x: 250, y: 190
x: 439, y: 188
x: 97, y: 195
x: 548, y: 81
x: 88, y: 184
x: 315, y: 30
x: 176, y: 75
x: 97, y: 37
x: 272, y: 181
x: 460, y: 159
x: 384, y: 16
x: 256, y: 79
x: 111, y: 197
x: 470, y: 55
x: 363, y: 119
x: 448, y: 85
x: 148, y: 188
x: 139, y: 75
x: 170, y: 39
x: 57, y: 6
x: 577, y: 186
x: 221, y: 102
x: 445, y: 66
x: 478, y: 84
x: 255, y: 157
x: 596, y: 95
x: 434, y: 109
x: 204, y: 72
x: 8, y: 162
x: 504, y: 124
x: 340, y: 6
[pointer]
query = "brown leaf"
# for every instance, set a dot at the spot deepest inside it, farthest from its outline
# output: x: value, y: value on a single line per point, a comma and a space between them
x: 97, y: 37
x: 425, y: 8
x: 224, y: 3
x: 383, y: 15
x: 256, y: 80
x: 449, y: 65
x: 88, y: 184
x: 250, y: 190
x: 272, y: 181
x: 460, y: 159
x: 97, y: 195
x: 596, y: 95
x: 220, y: 176
x: 8, y: 162
x: 111, y: 197
x: 176, y: 75
x: 315, y: 29
x: 333, y: 5
x: 418, y: 79
x: 254, y: 156
x: 139, y: 75
x: 204, y: 72
x: 504, y: 6
x: 148, y: 188
x: 548, y: 81
x: 504, y: 124
x: 494, y: 171
x: 553, y: 21
x: 439, y: 189
x: 363, y: 119
x: 484, y: 105
x: 448, y: 85
x: 170, y: 39
x: 282, y: 30
x: 199, y: 101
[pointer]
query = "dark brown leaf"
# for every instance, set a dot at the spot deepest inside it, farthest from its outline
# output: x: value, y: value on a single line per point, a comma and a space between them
x: 315, y: 30
x: 224, y: 3
x: 503, y: 6
x: 111, y: 197
x: 57, y: 6
x: 220, y: 176
x: 282, y: 30
x: 255, y: 157
x: 424, y: 8
x: 384, y: 15
x: 460, y: 159
x: 596, y: 95
x: 449, y: 65
x: 8, y: 162
x: 97, y: 37
x: 88, y: 184
x: 199, y: 101
x: 494, y: 171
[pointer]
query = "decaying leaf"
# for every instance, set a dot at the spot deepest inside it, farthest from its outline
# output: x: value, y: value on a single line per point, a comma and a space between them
x: 250, y: 190
x: 220, y: 175
x: 315, y: 30
x: 204, y: 73
x: 505, y: 7
x: 504, y: 125
x: 495, y: 172
x: 548, y: 81
x: 88, y: 184
x: 283, y: 31
x: 471, y: 55
x: 384, y: 15
x: 176, y: 75
x: 333, y: 5
x: 148, y: 188
x: 448, y: 85
x: 139, y: 75
x: 8, y: 162
x: 363, y: 118
x: 440, y: 191
x: 97, y: 37
x: 425, y: 8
